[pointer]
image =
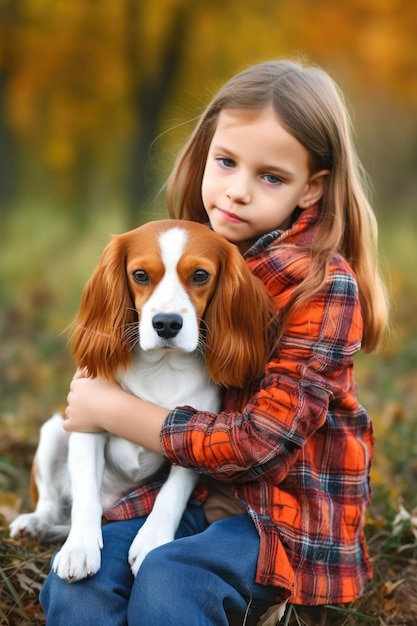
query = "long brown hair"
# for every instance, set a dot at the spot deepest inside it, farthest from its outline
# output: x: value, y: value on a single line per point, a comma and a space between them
x: 311, y: 107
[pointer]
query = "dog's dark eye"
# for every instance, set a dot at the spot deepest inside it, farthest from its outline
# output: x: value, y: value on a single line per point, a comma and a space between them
x: 200, y: 277
x: 140, y: 276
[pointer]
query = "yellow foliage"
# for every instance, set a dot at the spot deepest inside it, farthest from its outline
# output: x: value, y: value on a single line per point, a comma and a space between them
x: 10, y: 504
x: 59, y: 154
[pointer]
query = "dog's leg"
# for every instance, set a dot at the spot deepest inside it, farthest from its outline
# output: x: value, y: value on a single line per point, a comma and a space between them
x: 164, y: 519
x: 50, y: 519
x: 80, y: 556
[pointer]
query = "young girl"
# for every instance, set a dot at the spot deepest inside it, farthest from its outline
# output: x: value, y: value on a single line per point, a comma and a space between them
x: 271, y: 166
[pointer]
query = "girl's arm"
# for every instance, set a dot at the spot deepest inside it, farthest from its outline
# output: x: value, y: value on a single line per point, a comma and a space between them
x: 96, y: 405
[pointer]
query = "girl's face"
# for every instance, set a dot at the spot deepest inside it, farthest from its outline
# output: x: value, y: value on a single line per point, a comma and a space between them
x: 256, y: 174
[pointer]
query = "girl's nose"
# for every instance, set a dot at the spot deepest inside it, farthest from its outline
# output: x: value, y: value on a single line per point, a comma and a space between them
x: 239, y: 191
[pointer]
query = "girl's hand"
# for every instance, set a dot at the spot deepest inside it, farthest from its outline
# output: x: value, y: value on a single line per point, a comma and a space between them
x: 96, y: 405
x: 92, y: 404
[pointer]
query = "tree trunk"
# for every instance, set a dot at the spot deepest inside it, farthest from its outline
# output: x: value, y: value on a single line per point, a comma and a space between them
x: 149, y: 95
x: 8, y: 16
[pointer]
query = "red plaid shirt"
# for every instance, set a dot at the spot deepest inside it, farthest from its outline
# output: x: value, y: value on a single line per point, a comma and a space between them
x: 297, y: 445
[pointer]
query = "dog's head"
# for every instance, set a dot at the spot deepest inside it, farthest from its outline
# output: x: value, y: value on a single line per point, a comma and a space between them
x: 175, y: 285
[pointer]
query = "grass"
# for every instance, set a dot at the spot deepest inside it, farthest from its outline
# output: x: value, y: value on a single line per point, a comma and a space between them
x: 44, y: 262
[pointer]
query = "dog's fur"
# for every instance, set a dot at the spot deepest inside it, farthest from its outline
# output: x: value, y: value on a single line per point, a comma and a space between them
x: 174, y: 314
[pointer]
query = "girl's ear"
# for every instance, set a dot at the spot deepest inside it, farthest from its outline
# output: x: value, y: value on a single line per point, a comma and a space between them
x: 314, y: 189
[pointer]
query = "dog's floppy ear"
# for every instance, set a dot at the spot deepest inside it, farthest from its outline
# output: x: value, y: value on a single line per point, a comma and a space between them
x: 242, y: 324
x: 99, y: 340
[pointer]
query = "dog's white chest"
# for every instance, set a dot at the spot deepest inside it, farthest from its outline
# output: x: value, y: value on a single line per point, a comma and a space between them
x: 171, y: 379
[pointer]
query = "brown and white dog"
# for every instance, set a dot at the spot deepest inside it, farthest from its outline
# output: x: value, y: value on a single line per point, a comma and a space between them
x: 174, y: 314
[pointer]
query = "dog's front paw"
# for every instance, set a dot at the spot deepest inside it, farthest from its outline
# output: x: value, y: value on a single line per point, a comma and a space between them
x: 79, y: 557
x: 148, y: 538
x: 29, y: 525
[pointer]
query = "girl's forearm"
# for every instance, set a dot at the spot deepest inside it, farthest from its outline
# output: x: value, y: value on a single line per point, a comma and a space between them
x: 136, y: 420
x: 95, y: 405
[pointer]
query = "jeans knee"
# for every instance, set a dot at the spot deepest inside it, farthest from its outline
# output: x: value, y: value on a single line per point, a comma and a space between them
x: 154, y: 573
x: 57, y: 600
x: 90, y: 601
x: 171, y: 589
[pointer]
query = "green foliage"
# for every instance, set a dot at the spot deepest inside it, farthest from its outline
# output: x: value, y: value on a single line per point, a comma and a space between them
x: 44, y: 263
x: 388, y: 379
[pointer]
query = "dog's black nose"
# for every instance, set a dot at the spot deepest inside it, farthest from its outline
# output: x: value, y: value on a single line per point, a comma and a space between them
x: 167, y: 325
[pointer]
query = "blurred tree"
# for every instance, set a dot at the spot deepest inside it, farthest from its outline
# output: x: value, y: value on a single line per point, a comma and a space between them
x: 87, y: 87
x: 8, y: 17
x: 150, y: 90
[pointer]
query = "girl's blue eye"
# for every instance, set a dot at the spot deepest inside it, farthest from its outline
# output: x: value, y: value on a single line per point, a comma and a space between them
x: 272, y: 180
x: 225, y: 162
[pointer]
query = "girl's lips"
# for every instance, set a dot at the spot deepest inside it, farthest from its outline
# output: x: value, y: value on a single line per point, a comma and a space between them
x: 230, y: 217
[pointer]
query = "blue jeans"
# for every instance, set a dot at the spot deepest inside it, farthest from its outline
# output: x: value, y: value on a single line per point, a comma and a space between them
x: 192, y: 581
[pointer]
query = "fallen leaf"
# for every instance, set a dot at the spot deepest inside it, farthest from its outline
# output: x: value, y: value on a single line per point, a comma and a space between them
x: 273, y: 615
